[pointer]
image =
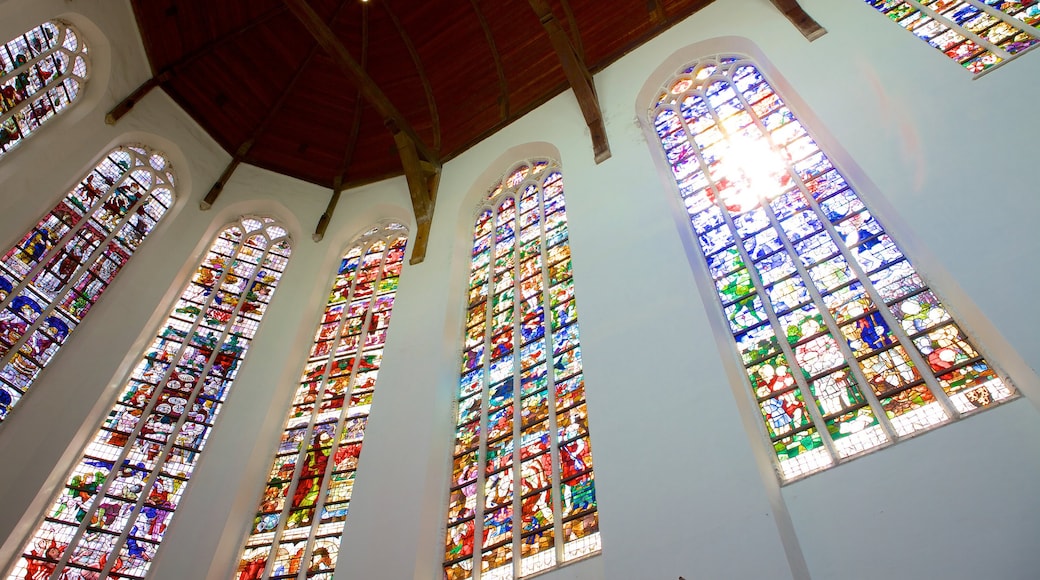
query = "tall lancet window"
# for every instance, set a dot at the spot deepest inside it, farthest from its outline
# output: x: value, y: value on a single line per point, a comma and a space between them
x: 522, y: 453
x: 43, y: 72
x: 976, y: 33
x: 113, y: 512
x: 56, y: 272
x: 300, y: 519
x: 845, y: 346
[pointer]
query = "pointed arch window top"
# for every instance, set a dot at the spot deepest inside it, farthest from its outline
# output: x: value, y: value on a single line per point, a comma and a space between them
x: 43, y: 72
x: 111, y: 516
x: 845, y: 347
x: 523, y: 495
x: 302, y: 513
x: 59, y: 269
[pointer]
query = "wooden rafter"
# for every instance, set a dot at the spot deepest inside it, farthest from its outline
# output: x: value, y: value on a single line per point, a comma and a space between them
x: 169, y: 71
x: 572, y: 23
x: 805, y: 24
x: 372, y: 93
x: 245, y: 147
x: 431, y: 104
x: 578, y: 76
x: 503, y: 87
x: 421, y: 165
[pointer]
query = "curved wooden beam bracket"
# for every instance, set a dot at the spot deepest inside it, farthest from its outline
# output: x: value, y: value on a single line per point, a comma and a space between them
x: 355, y: 72
x: 218, y: 187
x: 323, y: 222
x: 805, y: 24
x: 423, y: 179
x: 124, y: 106
x: 578, y: 76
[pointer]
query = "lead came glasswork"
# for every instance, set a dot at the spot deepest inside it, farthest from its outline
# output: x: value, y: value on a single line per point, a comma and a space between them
x: 845, y: 346
x: 978, y: 34
x: 522, y: 473
x: 113, y: 512
x: 59, y: 269
x: 43, y: 72
x: 303, y: 510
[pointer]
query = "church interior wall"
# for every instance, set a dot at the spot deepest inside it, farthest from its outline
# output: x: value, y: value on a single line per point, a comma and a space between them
x: 685, y: 483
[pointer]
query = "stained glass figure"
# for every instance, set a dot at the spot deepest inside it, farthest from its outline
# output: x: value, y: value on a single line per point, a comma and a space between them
x: 845, y: 346
x: 978, y: 34
x: 109, y: 518
x: 303, y: 510
x: 52, y: 277
x: 43, y: 72
x: 522, y: 498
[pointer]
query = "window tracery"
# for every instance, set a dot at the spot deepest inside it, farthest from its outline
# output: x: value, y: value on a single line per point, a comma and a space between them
x: 109, y: 518
x: 846, y: 348
x: 43, y: 72
x: 52, y: 277
x: 302, y: 514
x: 522, y: 481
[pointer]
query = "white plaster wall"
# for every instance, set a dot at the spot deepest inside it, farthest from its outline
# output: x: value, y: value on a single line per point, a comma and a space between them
x: 685, y: 486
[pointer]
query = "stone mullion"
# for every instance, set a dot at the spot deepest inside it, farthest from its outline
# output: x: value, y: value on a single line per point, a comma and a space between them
x: 808, y: 401
x: 319, y: 503
x: 199, y: 385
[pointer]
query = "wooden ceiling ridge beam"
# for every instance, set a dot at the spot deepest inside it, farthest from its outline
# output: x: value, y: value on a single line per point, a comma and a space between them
x: 171, y: 70
x: 431, y: 103
x: 503, y: 86
x: 805, y: 24
x: 423, y: 179
x: 578, y: 76
x: 355, y: 73
x: 247, y: 145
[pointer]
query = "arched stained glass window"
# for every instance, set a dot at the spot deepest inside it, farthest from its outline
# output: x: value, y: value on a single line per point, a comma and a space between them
x: 50, y: 279
x: 845, y: 346
x: 976, y: 33
x: 43, y: 72
x: 314, y: 466
x: 109, y: 518
x: 522, y: 453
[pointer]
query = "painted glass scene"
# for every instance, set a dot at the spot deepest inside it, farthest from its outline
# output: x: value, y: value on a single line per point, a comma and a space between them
x: 111, y: 515
x: 300, y: 519
x: 522, y: 453
x: 845, y: 346
x: 59, y: 269
x: 43, y: 71
x: 978, y: 34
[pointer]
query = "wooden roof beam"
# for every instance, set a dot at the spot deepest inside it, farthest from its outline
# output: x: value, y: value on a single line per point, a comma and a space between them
x: 578, y: 76
x: 423, y: 179
x: 169, y: 71
x: 805, y: 24
x: 356, y: 73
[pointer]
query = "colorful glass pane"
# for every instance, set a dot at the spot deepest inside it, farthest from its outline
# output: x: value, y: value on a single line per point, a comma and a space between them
x: 521, y: 380
x: 58, y: 270
x: 978, y: 34
x: 869, y: 354
x: 305, y: 504
x: 43, y: 71
x: 113, y: 511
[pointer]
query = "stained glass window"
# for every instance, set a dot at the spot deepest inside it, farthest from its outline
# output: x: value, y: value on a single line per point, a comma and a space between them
x: 315, y: 463
x: 113, y: 511
x: 846, y: 347
x: 43, y: 72
x: 522, y: 437
x: 52, y: 277
x: 976, y: 33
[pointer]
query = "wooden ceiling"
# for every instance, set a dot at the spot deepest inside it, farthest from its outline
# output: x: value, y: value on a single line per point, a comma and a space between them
x: 260, y: 82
